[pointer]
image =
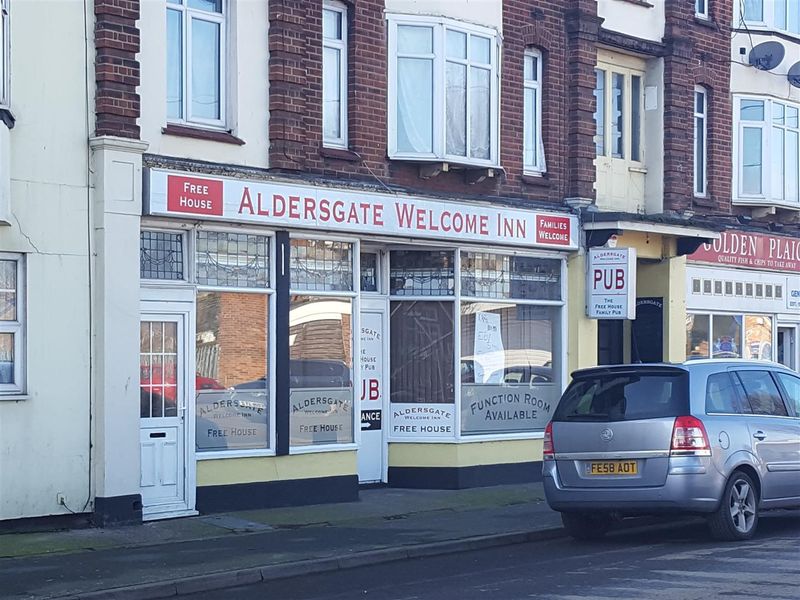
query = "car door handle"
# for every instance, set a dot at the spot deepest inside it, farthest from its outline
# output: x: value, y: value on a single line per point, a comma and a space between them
x: 760, y: 435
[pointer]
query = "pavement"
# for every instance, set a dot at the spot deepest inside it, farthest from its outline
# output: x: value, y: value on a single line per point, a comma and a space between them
x: 178, y: 557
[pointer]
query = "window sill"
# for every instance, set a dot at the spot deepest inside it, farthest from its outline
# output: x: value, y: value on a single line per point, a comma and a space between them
x: 7, y: 118
x: 14, y: 397
x: 197, y: 133
x: 640, y: 3
x: 339, y: 154
x: 224, y: 454
x: 706, y: 22
x: 642, y: 170
x: 540, y: 180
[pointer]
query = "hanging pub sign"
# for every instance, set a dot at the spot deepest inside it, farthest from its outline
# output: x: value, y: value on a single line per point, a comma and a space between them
x: 289, y: 204
x: 611, y: 283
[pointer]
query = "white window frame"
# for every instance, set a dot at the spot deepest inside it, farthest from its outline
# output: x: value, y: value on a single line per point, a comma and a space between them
x: 769, y: 18
x: 341, y: 46
x: 701, y: 9
x: 440, y: 26
x: 17, y: 328
x: 538, y: 167
x: 187, y: 14
x: 609, y: 70
x: 765, y: 197
x: 5, y: 51
x: 701, y: 123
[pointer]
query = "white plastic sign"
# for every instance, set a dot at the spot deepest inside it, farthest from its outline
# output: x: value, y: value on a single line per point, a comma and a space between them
x: 611, y: 283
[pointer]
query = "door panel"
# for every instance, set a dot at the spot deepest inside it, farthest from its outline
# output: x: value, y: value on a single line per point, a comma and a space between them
x: 162, y: 414
x: 372, y: 391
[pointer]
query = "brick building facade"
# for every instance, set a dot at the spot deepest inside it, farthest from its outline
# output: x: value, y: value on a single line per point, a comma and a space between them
x: 379, y: 170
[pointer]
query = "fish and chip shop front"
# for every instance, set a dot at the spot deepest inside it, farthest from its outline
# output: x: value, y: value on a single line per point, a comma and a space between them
x: 298, y: 340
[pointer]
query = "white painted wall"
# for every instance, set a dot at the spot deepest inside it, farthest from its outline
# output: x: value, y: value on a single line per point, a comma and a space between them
x: 645, y: 22
x: 248, y: 103
x: 749, y: 80
x: 480, y: 12
x: 44, y: 438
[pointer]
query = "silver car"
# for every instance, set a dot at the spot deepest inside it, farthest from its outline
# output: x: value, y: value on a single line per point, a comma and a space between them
x: 714, y: 437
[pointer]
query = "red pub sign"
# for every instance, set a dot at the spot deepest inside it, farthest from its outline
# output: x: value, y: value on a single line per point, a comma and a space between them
x: 751, y: 250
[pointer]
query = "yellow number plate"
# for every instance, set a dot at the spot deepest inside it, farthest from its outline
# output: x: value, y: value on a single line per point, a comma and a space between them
x: 613, y: 467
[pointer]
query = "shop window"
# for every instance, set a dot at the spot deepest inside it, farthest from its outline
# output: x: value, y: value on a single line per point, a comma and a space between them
x: 778, y: 291
x: 758, y: 337
x: 509, y: 370
x: 161, y: 255
x: 232, y: 378
x: 233, y: 384
x: 729, y: 288
x: 717, y: 288
x: 748, y: 290
x: 321, y: 343
x: 422, y: 273
x: 729, y: 336
x: 698, y: 329
x: 533, y: 149
x: 739, y: 289
x: 321, y: 265
x: 196, y: 51
x: 488, y: 275
x: 334, y: 74
x: 695, y: 286
x: 370, y: 274
x: 12, y: 324
x: 232, y: 260
x: 422, y: 352
x: 444, y: 76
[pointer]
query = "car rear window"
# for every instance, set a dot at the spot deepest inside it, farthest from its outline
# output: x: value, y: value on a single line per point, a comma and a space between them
x: 625, y: 396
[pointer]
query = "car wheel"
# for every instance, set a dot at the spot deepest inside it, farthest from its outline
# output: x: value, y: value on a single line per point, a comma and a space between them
x: 583, y: 526
x: 737, y: 515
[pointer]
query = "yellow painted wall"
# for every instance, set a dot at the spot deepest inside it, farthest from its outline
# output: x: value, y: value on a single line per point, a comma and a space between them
x: 464, y: 455
x: 581, y: 331
x: 226, y: 471
x: 667, y: 279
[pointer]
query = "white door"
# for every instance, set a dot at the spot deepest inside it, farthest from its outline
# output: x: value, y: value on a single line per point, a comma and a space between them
x: 787, y: 347
x: 164, y: 387
x: 372, y: 449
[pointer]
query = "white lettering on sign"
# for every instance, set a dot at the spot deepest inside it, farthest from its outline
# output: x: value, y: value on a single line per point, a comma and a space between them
x: 276, y: 203
x: 611, y: 283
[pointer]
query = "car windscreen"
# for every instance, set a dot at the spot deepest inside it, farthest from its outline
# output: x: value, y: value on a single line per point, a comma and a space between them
x: 625, y: 396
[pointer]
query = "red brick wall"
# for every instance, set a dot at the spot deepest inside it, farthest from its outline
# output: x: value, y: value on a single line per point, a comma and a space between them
x: 296, y: 87
x: 700, y: 55
x: 117, y: 73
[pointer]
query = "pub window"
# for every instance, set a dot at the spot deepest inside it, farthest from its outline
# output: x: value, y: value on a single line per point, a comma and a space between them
x: 321, y: 343
x: 422, y: 327
x: 509, y: 342
x: 161, y: 255
x: 233, y: 381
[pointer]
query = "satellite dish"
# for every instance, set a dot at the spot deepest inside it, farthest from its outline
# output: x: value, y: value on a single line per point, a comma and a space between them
x: 767, y: 55
x: 794, y: 75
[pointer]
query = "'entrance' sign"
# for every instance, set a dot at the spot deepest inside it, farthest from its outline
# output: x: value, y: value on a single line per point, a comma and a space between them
x: 611, y: 283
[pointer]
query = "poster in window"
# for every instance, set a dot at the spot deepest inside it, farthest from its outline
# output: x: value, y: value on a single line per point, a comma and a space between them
x: 321, y: 416
x: 231, y: 419
x: 488, y: 348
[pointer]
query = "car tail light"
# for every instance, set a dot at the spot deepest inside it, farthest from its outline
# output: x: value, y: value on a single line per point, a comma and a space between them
x: 548, y: 450
x: 689, y: 436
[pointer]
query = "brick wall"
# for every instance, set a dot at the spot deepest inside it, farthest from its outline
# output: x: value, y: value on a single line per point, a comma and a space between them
x: 296, y: 87
x: 698, y: 54
x: 117, y: 74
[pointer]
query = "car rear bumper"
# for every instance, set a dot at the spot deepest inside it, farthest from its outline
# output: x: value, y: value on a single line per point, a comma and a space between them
x: 681, y: 492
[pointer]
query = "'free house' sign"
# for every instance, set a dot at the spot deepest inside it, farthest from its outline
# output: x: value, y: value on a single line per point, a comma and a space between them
x: 285, y: 204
